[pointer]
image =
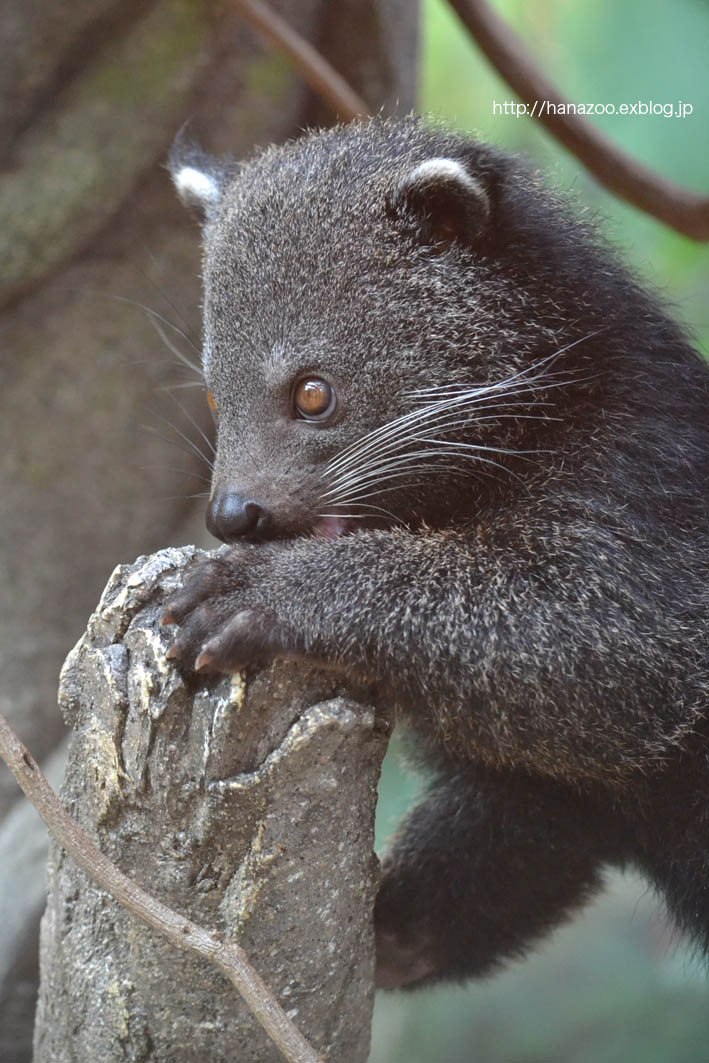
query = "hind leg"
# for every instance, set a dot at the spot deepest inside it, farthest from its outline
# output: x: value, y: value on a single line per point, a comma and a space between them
x: 485, y: 866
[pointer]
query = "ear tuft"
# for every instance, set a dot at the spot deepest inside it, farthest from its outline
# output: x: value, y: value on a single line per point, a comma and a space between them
x: 444, y: 200
x: 196, y: 188
x: 198, y: 177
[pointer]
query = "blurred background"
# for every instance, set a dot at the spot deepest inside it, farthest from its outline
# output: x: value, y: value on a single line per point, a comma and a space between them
x: 99, y: 306
x: 615, y: 986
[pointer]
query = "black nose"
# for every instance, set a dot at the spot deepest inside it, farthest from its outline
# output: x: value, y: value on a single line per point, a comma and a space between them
x: 231, y: 516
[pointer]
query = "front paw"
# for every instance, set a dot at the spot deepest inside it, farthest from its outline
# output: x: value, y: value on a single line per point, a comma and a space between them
x: 224, y: 622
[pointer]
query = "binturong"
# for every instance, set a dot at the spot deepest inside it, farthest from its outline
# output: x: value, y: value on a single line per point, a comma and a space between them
x: 463, y: 456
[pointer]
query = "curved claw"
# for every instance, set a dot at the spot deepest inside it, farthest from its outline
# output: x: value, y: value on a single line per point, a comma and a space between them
x: 208, y: 579
x: 204, y: 660
x: 175, y: 651
x: 179, y: 607
x: 233, y: 645
x: 214, y: 632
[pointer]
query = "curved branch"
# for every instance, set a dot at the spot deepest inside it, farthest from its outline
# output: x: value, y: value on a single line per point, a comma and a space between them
x: 183, y: 933
x: 318, y: 73
x: 628, y: 178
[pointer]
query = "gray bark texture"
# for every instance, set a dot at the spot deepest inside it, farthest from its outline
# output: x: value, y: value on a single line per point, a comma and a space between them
x: 247, y: 806
x: 91, y: 94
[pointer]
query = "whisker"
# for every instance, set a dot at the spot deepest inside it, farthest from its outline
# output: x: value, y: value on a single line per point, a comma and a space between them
x: 363, y: 516
x: 175, y: 468
x: 411, y: 426
x: 380, y: 509
x: 342, y: 516
x: 407, y: 462
x: 169, y: 441
x: 155, y: 316
x: 547, y: 360
x: 182, y: 358
x: 163, y: 295
x: 393, y: 434
x: 184, y: 384
x: 383, y: 463
x: 180, y: 498
x: 434, y: 468
x: 359, y: 500
x: 190, y: 442
x: 140, y: 306
x: 387, y: 469
x: 458, y: 445
x: 465, y: 393
x: 365, y: 483
x: 194, y: 423
x: 368, y: 483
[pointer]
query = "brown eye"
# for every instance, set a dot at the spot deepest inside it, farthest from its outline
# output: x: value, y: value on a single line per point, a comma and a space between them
x: 314, y: 399
x: 210, y: 402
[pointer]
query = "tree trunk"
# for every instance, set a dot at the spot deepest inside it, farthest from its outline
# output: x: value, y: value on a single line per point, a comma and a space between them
x: 91, y: 94
x: 247, y: 806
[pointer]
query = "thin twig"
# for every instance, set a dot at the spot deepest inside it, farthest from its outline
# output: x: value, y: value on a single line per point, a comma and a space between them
x: 628, y: 178
x: 321, y: 77
x: 229, y: 958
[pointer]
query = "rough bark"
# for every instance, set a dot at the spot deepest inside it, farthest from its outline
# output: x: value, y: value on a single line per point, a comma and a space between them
x: 90, y: 95
x: 247, y: 806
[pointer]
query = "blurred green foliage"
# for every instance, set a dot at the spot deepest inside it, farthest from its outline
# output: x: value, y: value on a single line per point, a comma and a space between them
x: 614, y: 986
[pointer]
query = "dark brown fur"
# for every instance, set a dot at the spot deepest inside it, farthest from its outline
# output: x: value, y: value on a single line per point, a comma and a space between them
x: 541, y: 621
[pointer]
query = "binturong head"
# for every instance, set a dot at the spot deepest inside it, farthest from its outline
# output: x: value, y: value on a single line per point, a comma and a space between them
x: 391, y: 315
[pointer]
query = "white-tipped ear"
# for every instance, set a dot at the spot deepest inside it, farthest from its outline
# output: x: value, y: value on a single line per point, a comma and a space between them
x: 445, y: 171
x: 196, y: 188
x: 199, y: 178
x: 447, y: 202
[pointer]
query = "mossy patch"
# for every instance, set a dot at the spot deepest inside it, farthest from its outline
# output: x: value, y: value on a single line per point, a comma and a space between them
x: 76, y: 165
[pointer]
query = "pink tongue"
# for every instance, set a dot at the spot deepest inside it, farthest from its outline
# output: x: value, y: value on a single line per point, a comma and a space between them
x: 331, y: 527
